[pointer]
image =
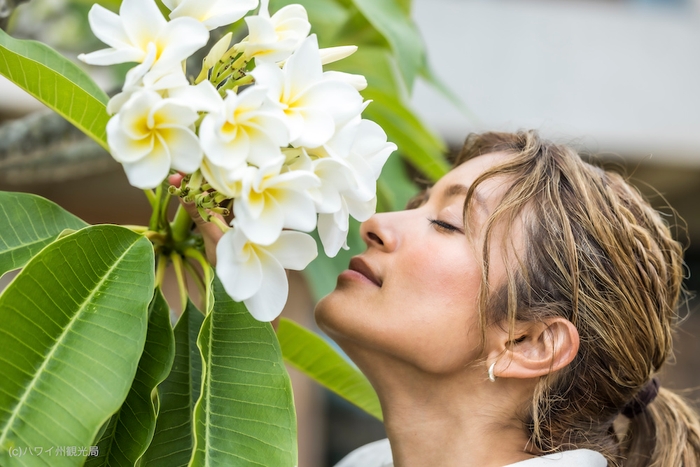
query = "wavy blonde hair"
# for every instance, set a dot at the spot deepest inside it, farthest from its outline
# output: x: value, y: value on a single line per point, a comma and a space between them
x: 597, y: 254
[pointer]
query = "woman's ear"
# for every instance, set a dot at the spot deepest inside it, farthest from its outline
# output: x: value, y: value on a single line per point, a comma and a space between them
x: 538, y: 348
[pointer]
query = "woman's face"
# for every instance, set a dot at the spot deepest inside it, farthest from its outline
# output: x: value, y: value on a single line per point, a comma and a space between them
x: 412, y: 295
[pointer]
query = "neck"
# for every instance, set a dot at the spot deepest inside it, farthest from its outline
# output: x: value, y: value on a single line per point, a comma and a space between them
x: 454, y: 420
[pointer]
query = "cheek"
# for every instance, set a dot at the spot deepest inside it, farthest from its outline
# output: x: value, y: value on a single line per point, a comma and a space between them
x: 438, y: 327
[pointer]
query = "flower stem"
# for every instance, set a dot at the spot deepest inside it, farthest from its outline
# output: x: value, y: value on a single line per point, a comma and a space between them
x: 221, y: 224
x: 160, y: 270
x: 151, y: 197
x: 153, y: 224
x: 208, y: 275
x: 198, y: 280
x: 180, y: 274
x: 181, y: 224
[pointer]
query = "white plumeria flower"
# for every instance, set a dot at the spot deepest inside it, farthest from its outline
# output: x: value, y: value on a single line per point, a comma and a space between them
x: 150, y: 135
x: 271, y: 201
x: 336, y: 177
x: 247, y: 127
x: 365, y: 160
x: 313, y: 106
x: 273, y: 39
x: 139, y: 78
x: 333, y: 227
x: 255, y: 274
x: 211, y: 13
x: 139, y: 24
x: 202, y: 97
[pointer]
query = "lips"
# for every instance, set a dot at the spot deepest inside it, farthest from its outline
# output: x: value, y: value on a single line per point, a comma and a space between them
x: 359, y: 265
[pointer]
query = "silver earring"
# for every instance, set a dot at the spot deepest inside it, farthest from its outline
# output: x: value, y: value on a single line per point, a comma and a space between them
x: 492, y: 377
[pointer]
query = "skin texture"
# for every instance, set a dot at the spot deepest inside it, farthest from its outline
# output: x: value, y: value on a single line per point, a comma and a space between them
x: 417, y: 338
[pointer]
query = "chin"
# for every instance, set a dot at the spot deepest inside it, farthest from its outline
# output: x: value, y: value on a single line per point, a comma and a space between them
x: 323, y: 313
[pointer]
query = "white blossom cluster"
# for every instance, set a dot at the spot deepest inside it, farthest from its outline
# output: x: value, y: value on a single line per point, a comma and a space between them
x: 263, y: 124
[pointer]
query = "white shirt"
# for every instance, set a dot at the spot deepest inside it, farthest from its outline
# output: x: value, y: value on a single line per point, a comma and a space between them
x: 378, y: 454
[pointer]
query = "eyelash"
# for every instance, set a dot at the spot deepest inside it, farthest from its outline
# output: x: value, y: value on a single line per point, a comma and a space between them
x: 444, y: 226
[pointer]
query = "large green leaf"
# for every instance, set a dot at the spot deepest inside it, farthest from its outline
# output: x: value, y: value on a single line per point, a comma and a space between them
x: 245, y: 413
x: 57, y: 82
x: 313, y: 356
x: 27, y: 224
x: 131, y: 429
x: 389, y: 17
x: 173, y: 440
x: 72, y: 329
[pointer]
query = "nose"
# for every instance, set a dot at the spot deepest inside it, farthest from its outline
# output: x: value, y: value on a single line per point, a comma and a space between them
x: 377, y: 232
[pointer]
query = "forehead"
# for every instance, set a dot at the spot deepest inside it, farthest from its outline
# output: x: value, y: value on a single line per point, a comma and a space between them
x: 466, y: 173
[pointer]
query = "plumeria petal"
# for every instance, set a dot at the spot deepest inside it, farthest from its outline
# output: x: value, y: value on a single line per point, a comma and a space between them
x: 315, y: 125
x: 124, y: 147
x: 202, y: 97
x: 212, y: 13
x: 265, y: 227
x: 185, y: 152
x: 217, y: 51
x: 303, y: 68
x: 333, y: 54
x: 361, y: 210
x: 372, y: 146
x: 332, y: 237
x: 359, y: 82
x: 112, y: 56
x: 340, y: 99
x: 299, y: 211
x: 142, y: 20
x: 238, y: 267
x: 228, y: 182
x: 268, y: 302
x: 294, y: 250
x: 108, y: 27
x: 274, y: 39
x: 177, y: 40
x: 149, y: 171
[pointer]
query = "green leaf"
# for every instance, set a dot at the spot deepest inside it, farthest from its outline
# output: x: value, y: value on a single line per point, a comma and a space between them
x: 416, y: 143
x: 57, y: 82
x: 323, y: 271
x: 390, y: 19
x: 313, y: 356
x: 173, y: 440
x: 27, y: 224
x: 382, y: 75
x: 245, y: 414
x: 73, y: 325
x: 131, y: 428
x: 395, y: 185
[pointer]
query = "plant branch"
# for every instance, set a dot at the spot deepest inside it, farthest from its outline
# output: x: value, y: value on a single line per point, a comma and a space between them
x: 180, y: 274
x: 195, y: 254
x: 160, y: 269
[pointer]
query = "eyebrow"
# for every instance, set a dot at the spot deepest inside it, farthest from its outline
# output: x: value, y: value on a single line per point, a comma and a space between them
x: 462, y: 190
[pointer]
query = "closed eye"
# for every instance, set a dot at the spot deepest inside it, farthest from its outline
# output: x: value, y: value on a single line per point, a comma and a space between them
x: 444, y: 226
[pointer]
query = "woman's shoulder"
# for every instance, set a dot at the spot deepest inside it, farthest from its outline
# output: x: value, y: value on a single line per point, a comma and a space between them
x: 573, y: 458
x: 378, y: 454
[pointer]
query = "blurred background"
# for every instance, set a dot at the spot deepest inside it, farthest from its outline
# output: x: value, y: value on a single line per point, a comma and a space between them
x: 617, y: 79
